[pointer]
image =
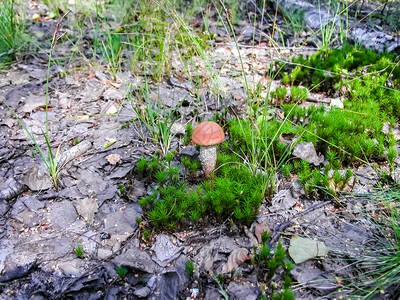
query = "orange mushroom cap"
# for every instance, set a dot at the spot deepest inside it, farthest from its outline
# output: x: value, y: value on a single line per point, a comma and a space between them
x: 207, y: 134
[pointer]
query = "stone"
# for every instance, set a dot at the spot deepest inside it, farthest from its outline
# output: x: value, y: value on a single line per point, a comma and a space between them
x: 164, y: 250
x: 143, y: 292
x: 242, y: 291
x: 6, y: 247
x: 70, y: 268
x: 306, y: 151
x: 86, y: 208
x: 164, y: 286
x: 112, y: 94
x: 136, y: 259
x: 283, y: 200
x: 190, y: 151
x: 91, y: 183
x: 136, y: 191
x: 61, y: 214
x: 122, y: 221
x: 103, y: 253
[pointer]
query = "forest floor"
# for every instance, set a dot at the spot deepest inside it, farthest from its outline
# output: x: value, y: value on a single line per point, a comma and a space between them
x: 92, y: 228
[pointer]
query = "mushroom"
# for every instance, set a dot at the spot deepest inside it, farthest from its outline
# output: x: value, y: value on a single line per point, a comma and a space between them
x: 207, y: 135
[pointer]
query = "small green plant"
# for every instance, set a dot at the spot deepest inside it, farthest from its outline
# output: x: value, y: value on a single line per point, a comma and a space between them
x: 286, y: 170
x: 155, y: 116
x: 219, y: 279
x: 11, y: 31
x: 79, y: 252
x: 188, y: 134
x: 379, y: 262
x: 121, y: 271
x: 270, y: 261
x: 391, y: 156
x: 50, y: 160
x: 298, y: 94
x: 141, y: 165
x: 146, y: 235
x: 170, y: 156
x: 294, y: 19
x: 279, y: 95
x: 121, y: 189
x: 189, y: 268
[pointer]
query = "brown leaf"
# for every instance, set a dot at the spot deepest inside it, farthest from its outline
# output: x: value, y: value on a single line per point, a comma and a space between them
x: 237, y: 257
x: 259, y: 228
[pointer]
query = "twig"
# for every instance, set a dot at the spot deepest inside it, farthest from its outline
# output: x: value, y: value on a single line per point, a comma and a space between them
x: 275, y: 236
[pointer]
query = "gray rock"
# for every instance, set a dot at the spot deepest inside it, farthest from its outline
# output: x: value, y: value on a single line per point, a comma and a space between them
x: 249, y: 33
x: 136, y: 259
x: 112, y: 94
x: 62, y: 214
x: 122, y: 221
x: 226, y: 245
x: 70, y: 268
x: 37, y: 178
x: 213, y: 294
x: 297, y: 188
x: 306, y: 151
x: 178, y: 129
x: 366, y: 179
x: 4, y: 206
x: 10, y: 188
x: 136, y: 191
x: 71, y: 193
x: 91, y: 183
x: 32, y: 203
x: 6, y: 247
x: 164, y: 286
x: 86, y: 208
x: 180, y: 267
x: 143, y: 292
x: 242, y: 291
x: 120, y: 172
x: 164, y: 250
x: 33, y: 102
x: 206, y: 257
x: 190, y: 151
x: 396, y: 175
x: 17, y: 263
x: 355, y: 232
x: 308, y: 275
x: 283, y: 200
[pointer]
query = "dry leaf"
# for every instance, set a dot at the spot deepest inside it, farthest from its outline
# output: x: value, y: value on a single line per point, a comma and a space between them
x: 259, y: 229
x: 84, y: 117
x: 112, y: 110
x: 237, y: 257
x: 36, y: 17
x: 110, y: 142
x: 113, y: 158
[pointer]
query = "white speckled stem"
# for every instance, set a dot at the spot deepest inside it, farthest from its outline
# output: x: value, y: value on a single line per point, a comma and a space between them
x: 208, y: 159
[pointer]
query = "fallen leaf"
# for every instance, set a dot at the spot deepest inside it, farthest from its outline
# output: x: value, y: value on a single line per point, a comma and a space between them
x: 237, y: 257
x: 259, y: 228
x: 113, y: 158
x: 302, y: 249
x: 110, y: 142
x: 112, y: 110
x: 36, y: 17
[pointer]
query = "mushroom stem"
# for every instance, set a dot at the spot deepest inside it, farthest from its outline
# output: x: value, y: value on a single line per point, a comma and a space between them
x: 208, y: 159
